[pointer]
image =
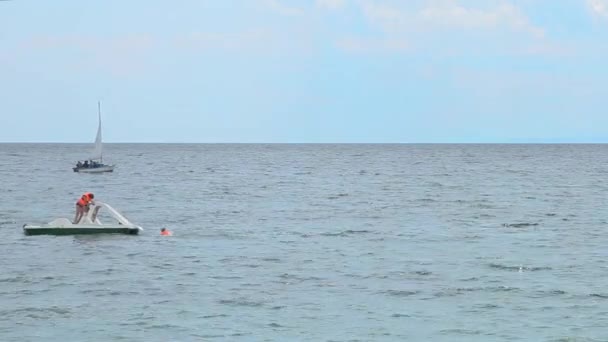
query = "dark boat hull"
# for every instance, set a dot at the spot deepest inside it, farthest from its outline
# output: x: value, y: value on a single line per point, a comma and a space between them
x: 78, y: 230
x: 98, y: 169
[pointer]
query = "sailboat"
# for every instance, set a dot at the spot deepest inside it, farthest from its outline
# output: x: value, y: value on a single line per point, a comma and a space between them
x: 95, y: 163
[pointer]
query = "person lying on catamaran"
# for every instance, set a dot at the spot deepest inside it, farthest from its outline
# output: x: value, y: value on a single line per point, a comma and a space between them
x: 82, y: 206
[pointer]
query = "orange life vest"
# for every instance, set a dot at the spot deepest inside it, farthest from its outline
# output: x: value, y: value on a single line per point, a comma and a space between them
x: 85, y: 199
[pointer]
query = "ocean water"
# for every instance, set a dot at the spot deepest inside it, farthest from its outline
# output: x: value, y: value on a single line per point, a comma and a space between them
x: 310, y: 243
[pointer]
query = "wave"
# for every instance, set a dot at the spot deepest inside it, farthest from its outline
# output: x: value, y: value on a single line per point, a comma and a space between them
x: 520, y: 225
x: 599, y: 295
x: 400, y: 293
x: 519, y: 268
x: 241, y: 302
x: 214, y: 316
x: 333, y: 197
x: 292, y: 278
x: 34, y: 312
x: 550, y: 293
x: 398, y: 315
x: 462, y: 290
x: 226, y: 277
x: 271, y: 259
x: 17, y: 279
x: 460, y: 332
x: 347, y: 232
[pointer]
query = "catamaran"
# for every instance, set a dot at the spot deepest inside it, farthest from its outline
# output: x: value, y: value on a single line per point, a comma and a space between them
x: 95, y: 163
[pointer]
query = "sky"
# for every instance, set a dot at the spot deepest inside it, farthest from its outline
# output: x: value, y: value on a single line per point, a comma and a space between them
x: 304, y: 71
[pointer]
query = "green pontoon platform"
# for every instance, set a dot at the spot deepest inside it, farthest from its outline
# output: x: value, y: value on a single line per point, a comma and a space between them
x: 89, y: 224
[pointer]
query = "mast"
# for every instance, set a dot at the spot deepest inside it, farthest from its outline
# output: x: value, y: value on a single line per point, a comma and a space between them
x: 99, y: 116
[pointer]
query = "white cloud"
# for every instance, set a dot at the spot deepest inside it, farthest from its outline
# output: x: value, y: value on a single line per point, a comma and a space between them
x: 453, y: 15
x: 282, y: 9
x: 450, y: 15
x: 330, y: 4
x: 367, y: 45
x: 214, y: 41
x: 252, y: 42
x: 121, y: 55
x: 445, y: 25
x: 599, y: 7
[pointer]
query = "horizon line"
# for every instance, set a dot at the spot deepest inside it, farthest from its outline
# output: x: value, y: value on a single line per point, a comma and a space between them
x: 531, y: 142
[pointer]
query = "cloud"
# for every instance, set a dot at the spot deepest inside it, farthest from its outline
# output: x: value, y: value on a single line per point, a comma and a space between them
x: 453, y: 15
x: 369, y: 45
x: 548, y: 48
x: 450, y: 15
x: 90, y: 42
x: 209, y: 41
x: 282, y: 9
x: 129, y: 55
x: 121, y: 55
x: 250, y: 42
x: 446, y: 25
x: 598, y: 7
x: 330, y: 4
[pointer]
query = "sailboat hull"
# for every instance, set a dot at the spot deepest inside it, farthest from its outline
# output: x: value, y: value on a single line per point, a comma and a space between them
x: 99, y: 169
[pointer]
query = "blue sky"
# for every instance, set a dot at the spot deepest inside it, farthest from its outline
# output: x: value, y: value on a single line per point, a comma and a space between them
x: 304, y: 70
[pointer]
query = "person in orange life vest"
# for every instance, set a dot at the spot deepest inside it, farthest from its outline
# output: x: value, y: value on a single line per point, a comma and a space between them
x: 165, y: 232
x: 82, y: 206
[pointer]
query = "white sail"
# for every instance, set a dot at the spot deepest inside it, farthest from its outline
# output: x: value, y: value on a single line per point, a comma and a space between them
x: 97, y: 152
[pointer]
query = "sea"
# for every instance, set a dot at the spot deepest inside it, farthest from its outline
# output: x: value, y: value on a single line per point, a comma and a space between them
x: 310, y: 242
